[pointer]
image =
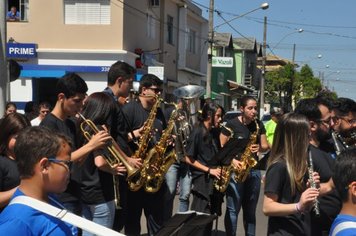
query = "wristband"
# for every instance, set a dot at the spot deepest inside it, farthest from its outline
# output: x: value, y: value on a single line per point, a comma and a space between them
x: 297, y: 207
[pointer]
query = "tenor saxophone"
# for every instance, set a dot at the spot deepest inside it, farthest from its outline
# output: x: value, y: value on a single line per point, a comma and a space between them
x: 157, y: 163
x: 135, y: 182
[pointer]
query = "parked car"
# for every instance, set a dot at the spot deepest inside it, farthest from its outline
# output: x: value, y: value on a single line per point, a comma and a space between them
x: 265, y: 118
x: 230, y: 115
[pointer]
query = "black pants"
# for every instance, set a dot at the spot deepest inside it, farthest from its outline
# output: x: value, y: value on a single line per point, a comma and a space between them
x: 153, y: 206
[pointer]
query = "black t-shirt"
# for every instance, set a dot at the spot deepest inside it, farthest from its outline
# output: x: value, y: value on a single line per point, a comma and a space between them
x: 120, y: 126
x: 329, y: 204
x: 277, y: 182
x: 96, y: 186
x: 68, y: 128
x: 241, y: 134
x: 136, y: 116
x: 201, y: 147
x: 9, y: 174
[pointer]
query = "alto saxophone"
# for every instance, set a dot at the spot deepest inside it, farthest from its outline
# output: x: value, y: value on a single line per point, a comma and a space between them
x: 222, y: 183
x: 156, y: 163
x: 136, y: 181
x: 247, y: 158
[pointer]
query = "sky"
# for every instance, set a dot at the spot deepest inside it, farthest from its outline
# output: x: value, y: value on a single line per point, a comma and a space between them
x: 327, y: 42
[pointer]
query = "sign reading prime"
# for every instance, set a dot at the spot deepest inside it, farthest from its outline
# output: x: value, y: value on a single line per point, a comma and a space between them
x: 21, y: 50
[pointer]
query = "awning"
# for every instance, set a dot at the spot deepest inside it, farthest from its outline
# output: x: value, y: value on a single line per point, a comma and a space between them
x: 235, y: 87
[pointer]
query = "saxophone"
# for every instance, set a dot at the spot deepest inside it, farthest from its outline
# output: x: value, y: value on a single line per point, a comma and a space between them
x: 156, y: 163
x: 136, y: 181
x: 247, y: 160
x: 222, y: 183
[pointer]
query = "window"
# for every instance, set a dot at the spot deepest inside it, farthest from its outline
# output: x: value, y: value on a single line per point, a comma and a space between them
x: 151, y: 27
x: 21, y: 7
x: 170, y: 29
x: 154, y: 3
x: 87, y: 12
x: 191, y: 42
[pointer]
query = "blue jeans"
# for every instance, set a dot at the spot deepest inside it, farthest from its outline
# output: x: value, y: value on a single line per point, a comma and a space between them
x: 246, y: 195
x: 102, y: 214
x: 177, y: 172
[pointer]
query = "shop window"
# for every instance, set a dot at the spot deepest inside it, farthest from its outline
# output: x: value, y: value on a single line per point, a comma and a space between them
x: 21, y: 8
x: 87, y: 12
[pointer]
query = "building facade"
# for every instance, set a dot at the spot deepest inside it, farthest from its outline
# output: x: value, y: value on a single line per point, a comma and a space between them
x: 87, y: 37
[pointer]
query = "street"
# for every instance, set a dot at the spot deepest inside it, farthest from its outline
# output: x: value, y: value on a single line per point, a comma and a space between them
x: 261, y: 224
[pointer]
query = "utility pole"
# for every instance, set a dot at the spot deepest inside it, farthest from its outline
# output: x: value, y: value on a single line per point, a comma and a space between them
x: 4, y: 74
x: 292, y: 81
x: 210, y: 52
x: 262, y: 82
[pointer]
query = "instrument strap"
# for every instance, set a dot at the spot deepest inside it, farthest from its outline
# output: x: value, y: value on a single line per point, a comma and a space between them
x: 65, y: 216
x: 343, y: 226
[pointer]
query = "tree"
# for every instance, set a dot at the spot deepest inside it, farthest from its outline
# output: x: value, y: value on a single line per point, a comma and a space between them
x: 279, y: 85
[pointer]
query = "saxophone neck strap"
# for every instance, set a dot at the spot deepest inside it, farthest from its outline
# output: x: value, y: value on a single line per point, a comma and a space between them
x: 65, y: 216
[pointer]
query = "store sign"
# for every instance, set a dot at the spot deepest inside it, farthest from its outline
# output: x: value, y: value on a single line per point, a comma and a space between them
x: 222, y: 62
x: 21, y: 50
x: 157, y: 71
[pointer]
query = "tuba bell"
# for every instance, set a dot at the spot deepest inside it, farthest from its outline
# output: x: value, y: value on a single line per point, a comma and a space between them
x: 189, y: 97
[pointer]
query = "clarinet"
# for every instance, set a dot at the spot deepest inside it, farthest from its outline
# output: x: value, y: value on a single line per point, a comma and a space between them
x: 313, y: 184
x: 337, y: 145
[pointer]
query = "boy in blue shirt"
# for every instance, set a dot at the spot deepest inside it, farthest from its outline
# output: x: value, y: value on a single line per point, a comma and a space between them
x: 44, y: 161
x: 345, y: 182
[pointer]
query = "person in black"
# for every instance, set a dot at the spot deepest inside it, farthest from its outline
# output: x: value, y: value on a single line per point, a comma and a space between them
x: 70, y: 91
x: 97, y: 185
x: 244, y: 194
x: 119, y: 84
x: 137, y: 112
x: 200, y: 151
x: 11, y: 125
x: 317, y: 110
x: 287, y: 199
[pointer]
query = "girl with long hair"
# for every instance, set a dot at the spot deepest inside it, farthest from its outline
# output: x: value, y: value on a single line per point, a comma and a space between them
x: 11, y: 125
x: 200, y: 151
x: 287, y: 199
x: 244, y: 194
x: 97, y: 185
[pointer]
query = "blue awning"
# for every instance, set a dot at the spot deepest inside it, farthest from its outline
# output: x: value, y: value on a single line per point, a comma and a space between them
x: 43, y: 73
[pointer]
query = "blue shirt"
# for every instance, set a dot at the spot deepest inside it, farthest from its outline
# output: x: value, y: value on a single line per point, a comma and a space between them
x: 19, y: 219
x: 349, y: 230
x: 11, y: 15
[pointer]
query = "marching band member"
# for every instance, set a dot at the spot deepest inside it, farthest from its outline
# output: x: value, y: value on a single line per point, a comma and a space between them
x: 119, y: 83
x: 71, y: 91
x: 137, y: 112
x: 200, y: 150
x: 97, y: 185
x: 318, y: 112
x: 287, y: 199
x: 244, y: 194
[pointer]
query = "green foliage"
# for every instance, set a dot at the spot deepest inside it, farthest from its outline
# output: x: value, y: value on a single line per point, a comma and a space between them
x: 278, y: 85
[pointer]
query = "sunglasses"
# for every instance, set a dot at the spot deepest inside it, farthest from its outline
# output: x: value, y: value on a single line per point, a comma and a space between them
x: 156, y: 90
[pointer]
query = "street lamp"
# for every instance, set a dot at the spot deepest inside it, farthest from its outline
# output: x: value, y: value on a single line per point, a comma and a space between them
x: 285, y: 36
x: 263, y: 6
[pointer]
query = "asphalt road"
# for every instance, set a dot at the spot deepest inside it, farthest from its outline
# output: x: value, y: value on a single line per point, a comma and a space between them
x: 261, y: 226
